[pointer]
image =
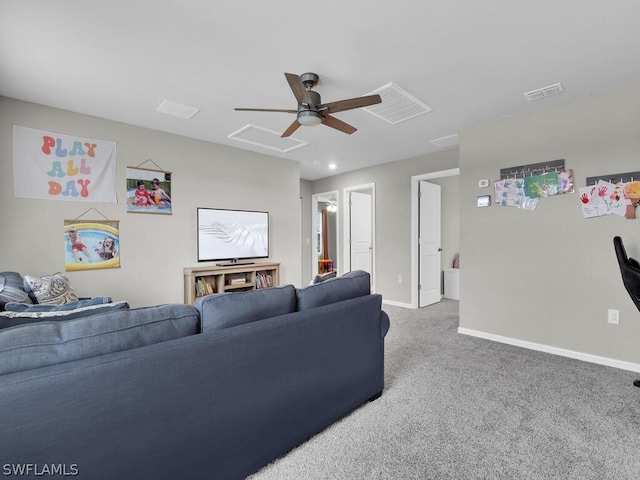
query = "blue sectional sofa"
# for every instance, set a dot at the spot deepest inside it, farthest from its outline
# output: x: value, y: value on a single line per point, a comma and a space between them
x: 212, y: 391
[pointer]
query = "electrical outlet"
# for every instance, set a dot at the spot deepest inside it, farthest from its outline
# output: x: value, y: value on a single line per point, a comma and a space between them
x: 614, y: 316
x: 399, y: 278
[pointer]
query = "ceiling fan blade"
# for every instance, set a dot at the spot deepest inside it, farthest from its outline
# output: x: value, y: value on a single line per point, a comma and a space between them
x: 351, y: 103
x: 299, y: 91
x: 264, y: 110
x: 333, y: 122
x: 292, y: 128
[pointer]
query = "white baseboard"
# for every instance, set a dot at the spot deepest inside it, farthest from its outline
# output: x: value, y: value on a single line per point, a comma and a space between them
x: 586, y: 357
x: 397, y: 304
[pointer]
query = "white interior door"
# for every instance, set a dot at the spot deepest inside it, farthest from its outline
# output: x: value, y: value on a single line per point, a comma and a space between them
x: 361, y: 234
x: 429, y: 244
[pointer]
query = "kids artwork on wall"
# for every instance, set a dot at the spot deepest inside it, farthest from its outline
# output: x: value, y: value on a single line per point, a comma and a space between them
x: 148, y: 191
x: 91, y: 244
x: 52, y: 166
x: 614, y: 194
x: 603, y: 198
x: 523, y: 186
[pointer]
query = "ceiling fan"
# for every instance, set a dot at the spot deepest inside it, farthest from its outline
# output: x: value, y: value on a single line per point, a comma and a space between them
x: 311, y: 110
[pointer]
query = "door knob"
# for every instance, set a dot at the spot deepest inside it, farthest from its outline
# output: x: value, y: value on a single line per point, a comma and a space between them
x: 440, y: 249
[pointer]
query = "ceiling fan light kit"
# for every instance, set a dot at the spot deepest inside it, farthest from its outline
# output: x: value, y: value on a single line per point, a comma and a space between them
x: 311, y: 111
x: 309, y: 118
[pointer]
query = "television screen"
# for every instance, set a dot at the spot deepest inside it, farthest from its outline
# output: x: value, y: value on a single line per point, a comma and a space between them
x: 232, y: 234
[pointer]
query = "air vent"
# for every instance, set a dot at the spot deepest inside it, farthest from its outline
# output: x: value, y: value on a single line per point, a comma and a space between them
x: 177, y: 109
x: 448, y: 141
x: 397, y: 105
x: 543, y: 92
x: 262, y: 137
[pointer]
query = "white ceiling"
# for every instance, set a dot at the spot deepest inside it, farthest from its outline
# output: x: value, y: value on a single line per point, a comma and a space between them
x: 470, y: 60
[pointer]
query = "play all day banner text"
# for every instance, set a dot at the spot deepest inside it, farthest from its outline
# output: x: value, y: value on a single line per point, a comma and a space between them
x: 51, y: 166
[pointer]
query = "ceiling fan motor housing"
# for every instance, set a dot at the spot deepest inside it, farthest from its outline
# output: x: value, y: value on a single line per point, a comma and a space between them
x: 313, y: 98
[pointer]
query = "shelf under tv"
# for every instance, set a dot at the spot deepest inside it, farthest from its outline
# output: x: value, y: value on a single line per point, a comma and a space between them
x: 237, y: 277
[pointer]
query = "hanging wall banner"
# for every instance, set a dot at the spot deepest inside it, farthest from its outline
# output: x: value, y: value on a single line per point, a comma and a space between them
x: 51, y: 166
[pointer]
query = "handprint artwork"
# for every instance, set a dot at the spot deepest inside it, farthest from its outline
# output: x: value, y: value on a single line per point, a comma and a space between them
x: 604, y: 198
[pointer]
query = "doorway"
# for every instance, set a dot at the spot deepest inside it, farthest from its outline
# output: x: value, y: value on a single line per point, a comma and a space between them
x: 324, y: 232
x: 415, y: 231
x: 429, y: 243
x: 359, y: 229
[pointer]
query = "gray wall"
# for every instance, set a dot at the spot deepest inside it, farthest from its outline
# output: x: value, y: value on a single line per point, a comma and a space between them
x: 154, y: 248
x: 393, y: 215
x: 305, y: 201
x: 548, y: 276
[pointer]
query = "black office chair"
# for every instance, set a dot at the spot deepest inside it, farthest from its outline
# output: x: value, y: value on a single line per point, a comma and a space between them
x: 630, y: 270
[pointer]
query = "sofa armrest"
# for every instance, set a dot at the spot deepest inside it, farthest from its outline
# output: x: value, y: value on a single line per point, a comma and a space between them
x: 384, y: 323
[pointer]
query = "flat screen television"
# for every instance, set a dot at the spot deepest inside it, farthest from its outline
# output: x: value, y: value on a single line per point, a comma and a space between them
x: 232, y: 236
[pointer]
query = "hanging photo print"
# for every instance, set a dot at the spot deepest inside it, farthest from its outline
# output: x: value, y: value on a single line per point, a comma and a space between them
x: 148, y: 191
x: 91, y: 244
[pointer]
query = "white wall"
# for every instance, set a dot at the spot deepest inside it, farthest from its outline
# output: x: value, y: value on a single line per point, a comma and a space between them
x: 548, y: 276
x: 393, y: 215
x: 154, y: 248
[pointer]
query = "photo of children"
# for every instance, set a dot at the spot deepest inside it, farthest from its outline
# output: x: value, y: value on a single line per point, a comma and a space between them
x: 76, y: 245
x: 91, y: 244
x: 148, y: 191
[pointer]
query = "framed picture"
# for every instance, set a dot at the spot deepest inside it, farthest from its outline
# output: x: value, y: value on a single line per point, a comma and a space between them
x: 91, y: 244
x: 148, y: 191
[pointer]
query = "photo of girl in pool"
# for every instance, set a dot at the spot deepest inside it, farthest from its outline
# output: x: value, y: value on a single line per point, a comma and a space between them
x: 91, y: 244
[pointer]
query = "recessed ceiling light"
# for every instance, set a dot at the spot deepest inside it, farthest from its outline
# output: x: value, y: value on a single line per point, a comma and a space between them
x: 332, y: 166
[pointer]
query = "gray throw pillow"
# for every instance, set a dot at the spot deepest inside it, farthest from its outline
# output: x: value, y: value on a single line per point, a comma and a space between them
x: 11, y: 289
x: 350, y: 285
x: 53, y: 289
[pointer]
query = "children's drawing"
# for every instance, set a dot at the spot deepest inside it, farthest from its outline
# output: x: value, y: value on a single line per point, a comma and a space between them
x: 509, y: 192
x: 565, y: 179
x: 603, y: 198
x: 631, y: 192
x: 543, y: 185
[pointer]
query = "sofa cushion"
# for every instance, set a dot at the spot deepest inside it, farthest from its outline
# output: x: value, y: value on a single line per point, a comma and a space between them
x: 11, y: 289
x: 35, y: 313
x: 47, y: 343
x: 223, y: 310
x: 52, y: 289
x: 350, y: 285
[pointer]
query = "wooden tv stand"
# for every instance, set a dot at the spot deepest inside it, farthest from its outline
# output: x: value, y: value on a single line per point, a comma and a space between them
x: 200, y: 281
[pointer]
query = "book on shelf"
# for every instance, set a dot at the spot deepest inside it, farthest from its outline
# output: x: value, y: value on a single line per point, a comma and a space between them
x: 264, y: 280
x: 203, y: 288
